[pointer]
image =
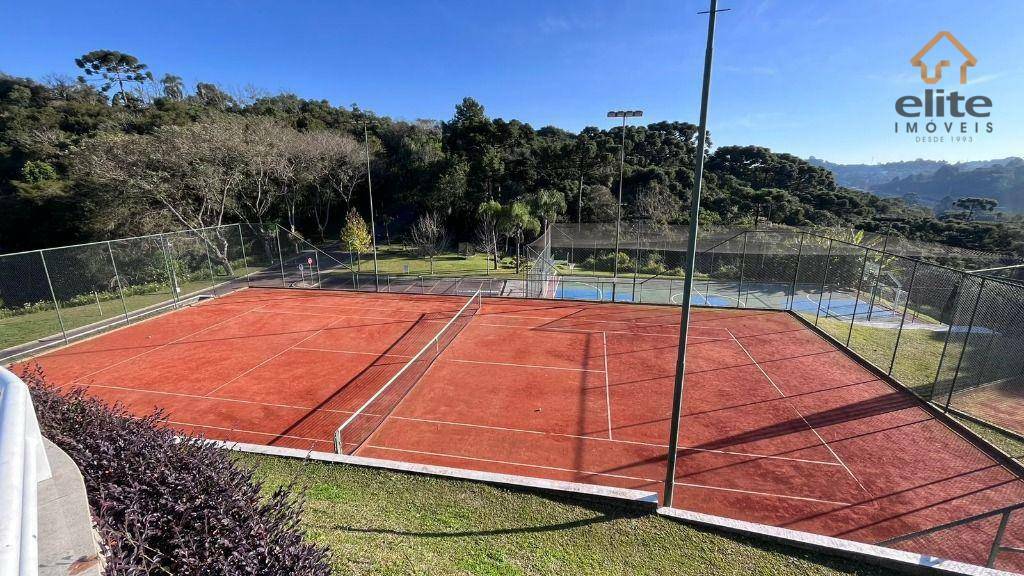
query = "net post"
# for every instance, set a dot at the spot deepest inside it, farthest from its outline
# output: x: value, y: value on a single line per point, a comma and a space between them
x: 117, y: 277
x: 824, y: 279
x: 796, y: 272
x: 280, y: 254
x: 903, y: 319
x: 856, y: 300
x: 963, y: 351
x: 245, y: 261
x: 53, y: 294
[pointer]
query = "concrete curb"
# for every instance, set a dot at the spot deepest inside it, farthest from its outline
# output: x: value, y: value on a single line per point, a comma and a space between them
x: 908, y: 562
x: 638, y: 498
x: 67, y: 540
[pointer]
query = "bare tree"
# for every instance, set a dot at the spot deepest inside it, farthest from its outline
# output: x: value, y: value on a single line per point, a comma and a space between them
x: 430, y: 236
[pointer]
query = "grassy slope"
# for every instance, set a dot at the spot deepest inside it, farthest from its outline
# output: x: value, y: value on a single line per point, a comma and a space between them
x: 379, y: 522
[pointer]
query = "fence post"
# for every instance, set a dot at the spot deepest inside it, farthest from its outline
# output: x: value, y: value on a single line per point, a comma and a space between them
x: 824, y: 279
x: 796, y: 273
x: 56, y: 306
x: 209, y: 261
x: 903, y: 319
x: 117, y: 277
x: 636, y: 258
x: 856, y: 300
x: 878, y: 277
x: 743, y: 260
x: 171, y: 276
x: 280, y: 254
x: 998, y: 540
x: 316, y: 261
x: 963, y: 351
x: 245, y: 261
x: 707, y: 284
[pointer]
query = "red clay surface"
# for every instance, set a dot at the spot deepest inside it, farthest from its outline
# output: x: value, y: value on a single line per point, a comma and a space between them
x: 779, y: 427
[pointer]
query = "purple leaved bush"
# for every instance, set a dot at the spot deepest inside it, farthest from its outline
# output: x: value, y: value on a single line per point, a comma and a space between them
x: 166, y: 504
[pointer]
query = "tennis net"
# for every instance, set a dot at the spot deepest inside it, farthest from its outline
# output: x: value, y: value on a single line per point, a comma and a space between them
x: 365, y: 421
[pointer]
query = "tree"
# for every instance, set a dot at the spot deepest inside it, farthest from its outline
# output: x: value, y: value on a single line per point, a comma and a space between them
x: 430, y: 236
x: 173, y: 87
x: 355, y: 236
x: 489, y: 213
x: 514, y: 221
x: 972, y: 205
x: 549, y: 204
x: 111, y: 67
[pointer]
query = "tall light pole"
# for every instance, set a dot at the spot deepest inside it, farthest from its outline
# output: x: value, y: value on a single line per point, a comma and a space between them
x: 369, y: 186
x: 622, y: 166
x: 691, y: 257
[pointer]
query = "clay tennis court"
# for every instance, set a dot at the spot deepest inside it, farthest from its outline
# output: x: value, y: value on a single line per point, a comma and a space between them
x: 779, y: 426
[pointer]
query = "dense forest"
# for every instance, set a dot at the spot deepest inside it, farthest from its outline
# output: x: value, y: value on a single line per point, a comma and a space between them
x: 118, y: 152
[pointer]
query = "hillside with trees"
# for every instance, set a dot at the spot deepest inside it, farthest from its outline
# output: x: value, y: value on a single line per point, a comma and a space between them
x: 936, y: 184
x: 119, y: 152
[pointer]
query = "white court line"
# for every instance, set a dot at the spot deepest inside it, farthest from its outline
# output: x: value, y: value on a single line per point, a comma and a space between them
x: 460, y: 360
x: 514, y: 365
x: 616, y: 440
x: 318, y: 332
x: 270, y: 311
x: 243, y: 431
x: 569, y: 317
x: 166, y: 344
x: 217, y: 398
x: 583, y: 331
x: 620, y: 476
x: 607, y: 387
x: 802, y: 417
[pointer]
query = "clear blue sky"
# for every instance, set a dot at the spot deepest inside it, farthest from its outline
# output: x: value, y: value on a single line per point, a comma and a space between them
x: 801, y: 76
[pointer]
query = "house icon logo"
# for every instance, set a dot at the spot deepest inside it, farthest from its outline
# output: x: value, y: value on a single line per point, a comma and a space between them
x: 933, y: 74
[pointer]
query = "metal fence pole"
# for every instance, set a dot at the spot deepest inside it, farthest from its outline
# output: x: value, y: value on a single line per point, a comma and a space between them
x: 316, y: 261
x: 824, y: 279
x: 117, y: 277
x: 856, y: 300
x: 209, y: 261
x: 878, y: 277
x: 743, y: 260
x: 245, y: 261
x: 280, y: 255
x: 963, y: 351
x: 53, y: 294
x: 796, y: 273
x: 171, y: 276
x: 945, y: 344
x: 903, y: 319
x: 998, y: 540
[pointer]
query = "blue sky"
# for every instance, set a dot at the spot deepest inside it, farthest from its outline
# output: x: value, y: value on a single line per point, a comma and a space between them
x: 800, y: 76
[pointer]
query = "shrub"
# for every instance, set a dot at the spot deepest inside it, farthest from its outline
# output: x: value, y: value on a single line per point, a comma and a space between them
x: 166, y: 504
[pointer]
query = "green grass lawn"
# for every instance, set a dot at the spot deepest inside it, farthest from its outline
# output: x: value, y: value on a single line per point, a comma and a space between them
x: 24, y: 328
x: 398, y: 259
x: 380, y: 522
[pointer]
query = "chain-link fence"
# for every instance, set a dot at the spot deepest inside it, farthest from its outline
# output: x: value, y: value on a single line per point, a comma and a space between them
x: 953, y: 337
x: 49, y: 297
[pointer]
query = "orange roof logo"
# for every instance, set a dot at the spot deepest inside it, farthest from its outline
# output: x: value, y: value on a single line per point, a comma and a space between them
x: 969, y: 59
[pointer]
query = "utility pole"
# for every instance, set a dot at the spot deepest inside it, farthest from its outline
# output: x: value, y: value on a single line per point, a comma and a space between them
x: 691, y: 256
